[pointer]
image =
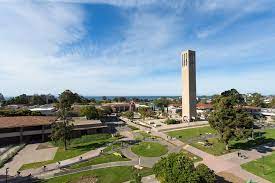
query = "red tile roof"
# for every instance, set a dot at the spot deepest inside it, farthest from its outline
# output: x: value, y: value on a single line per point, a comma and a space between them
x: 204, y: 106
x: 20, y: 121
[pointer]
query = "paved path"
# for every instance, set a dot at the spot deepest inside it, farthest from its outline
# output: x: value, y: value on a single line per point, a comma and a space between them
x: 29, y: 154
x: 64, y: 163
x: 50, y: 174
x: 150, y: 161
x: 218, y: 164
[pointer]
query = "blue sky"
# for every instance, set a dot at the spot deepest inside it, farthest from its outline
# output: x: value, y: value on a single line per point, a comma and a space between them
x: 129, y: 47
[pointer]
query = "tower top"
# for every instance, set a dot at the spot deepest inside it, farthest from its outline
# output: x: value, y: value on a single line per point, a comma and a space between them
x: 186, y: 51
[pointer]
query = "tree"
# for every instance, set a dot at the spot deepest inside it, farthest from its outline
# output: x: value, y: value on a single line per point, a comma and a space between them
x: 177, y: 168
x: 272, y: 103
x: 37, y: 100
x: 256, y: 100
x: 129, y: 115
x: 136, y: 177
x: 229, y: 118
x: 171, y: 121
x: 90, y: 112
x: 206, y: 175
x: 70, y: 97
x: 161, y: 102
x: 92, y: 100
x: 2, y: 98
x: 145, y: 112
x: 62, y: 129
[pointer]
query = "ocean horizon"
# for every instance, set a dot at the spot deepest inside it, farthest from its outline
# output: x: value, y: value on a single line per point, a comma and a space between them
x: 131, y: 97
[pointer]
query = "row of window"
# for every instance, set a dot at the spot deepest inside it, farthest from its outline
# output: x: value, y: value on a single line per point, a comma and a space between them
x: 185, y: 59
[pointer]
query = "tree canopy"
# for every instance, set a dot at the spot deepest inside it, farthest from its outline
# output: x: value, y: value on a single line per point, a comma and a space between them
x: 62, y: 128
x: 145, y: 112
x: 2, y: 98
x: 90, y: 112
x: 229, y: 118
x: 31, y: 99
x: 20, y: 112
x: 161, y: 102
x: 128, y: 114
x: 256, y: 100
x: 272, y: 103
x: 177, y: 168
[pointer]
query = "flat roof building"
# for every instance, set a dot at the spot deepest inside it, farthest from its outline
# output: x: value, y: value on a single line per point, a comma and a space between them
x: 38, y: 128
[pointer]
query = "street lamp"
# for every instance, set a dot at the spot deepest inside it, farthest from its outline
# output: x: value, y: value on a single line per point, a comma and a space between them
x: 263, y: 164
x: 7, y: 170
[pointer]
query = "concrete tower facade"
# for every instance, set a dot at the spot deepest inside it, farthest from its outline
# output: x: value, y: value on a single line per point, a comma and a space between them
x: 188, y: 64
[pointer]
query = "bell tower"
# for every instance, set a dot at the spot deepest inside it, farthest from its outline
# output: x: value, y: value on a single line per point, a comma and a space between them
x: 189, y: 98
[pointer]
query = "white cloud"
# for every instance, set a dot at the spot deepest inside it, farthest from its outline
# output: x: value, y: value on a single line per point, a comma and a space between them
x: 33, y: 33
x: 232, y: 11
x: 30, y: 35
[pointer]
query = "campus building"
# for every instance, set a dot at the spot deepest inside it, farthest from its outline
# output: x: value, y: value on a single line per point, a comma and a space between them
x: 38, y: 128
x: 121, y: 107
x: 188, y: 64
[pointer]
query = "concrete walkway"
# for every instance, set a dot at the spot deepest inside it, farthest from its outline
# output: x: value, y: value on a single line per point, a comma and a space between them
x: 64, y: 163
x: 48, y: 175
x: 216, y: 163
x: 29, y: 154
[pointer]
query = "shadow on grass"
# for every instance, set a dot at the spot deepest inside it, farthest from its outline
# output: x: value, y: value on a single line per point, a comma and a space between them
x: 21, y: 179
x: 260, y: 143
x: 91, y: 146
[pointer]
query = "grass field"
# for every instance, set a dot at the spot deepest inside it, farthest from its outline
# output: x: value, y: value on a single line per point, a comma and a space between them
x: 263, y: 167
x: 193, y: 157
x: 186, y: 134
x: 149, y: 149
x: 105, y: 175
x: 77, y: 147
x: 217, y: 147
x: 106, y: 158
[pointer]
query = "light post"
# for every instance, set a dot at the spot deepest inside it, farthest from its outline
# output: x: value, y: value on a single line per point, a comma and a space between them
x: 7, y: 170
x: 263, y: 164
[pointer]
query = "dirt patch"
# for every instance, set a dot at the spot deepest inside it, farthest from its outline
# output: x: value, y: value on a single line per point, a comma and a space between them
x: 86, y: 179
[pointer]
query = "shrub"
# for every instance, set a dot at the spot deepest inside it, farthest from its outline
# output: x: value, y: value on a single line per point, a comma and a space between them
x: 177, y: 167
x: 206, y: 175
x: 171, y: 121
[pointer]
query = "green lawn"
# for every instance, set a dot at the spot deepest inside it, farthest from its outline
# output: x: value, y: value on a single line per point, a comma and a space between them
x: 267, y: 171
x: 77, y: 147
x: 106, y: 158
x: 217, y: 147
x: 186, y: 134
x: 105, y: 175
x: 193, y: 157
x: 149, y: 149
